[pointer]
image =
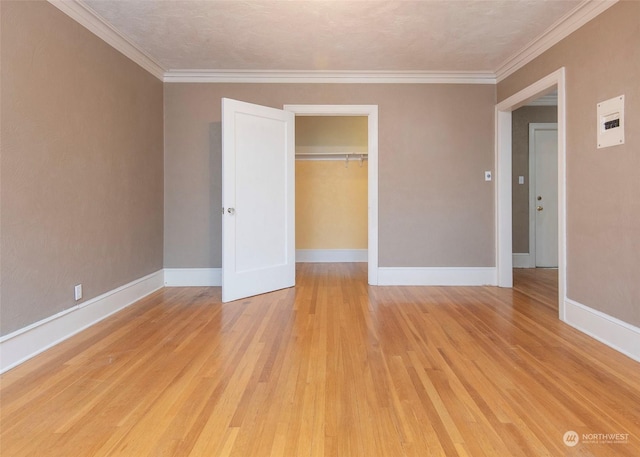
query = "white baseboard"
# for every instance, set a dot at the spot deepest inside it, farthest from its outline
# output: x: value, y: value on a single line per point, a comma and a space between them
x: 471, y: 276
x: 619, y: 335
x: 23, y: 344
x: 192, y: 277
x: 331, y: 255
x: 522, y: 260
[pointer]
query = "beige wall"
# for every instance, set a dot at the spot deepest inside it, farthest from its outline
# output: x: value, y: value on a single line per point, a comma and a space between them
x: 81, y: 166
x: 602, y: 60
x: 521, y: 119
x: 331, y: 195
x: 435, y: 141
x: 331, y: 204
x: 331, y: 134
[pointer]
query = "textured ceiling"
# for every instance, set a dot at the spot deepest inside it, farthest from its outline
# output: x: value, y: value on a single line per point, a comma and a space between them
x: 432, y: 35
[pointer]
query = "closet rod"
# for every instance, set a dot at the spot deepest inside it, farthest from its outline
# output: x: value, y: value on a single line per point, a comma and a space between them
x: 331, y: 156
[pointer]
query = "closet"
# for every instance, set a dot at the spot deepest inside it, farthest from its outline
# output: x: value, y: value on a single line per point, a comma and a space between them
x: 331, y: 188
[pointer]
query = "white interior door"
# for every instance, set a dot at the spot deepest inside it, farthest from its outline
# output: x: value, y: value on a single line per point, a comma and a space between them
x: 258, y: 179
x: 544, y: 142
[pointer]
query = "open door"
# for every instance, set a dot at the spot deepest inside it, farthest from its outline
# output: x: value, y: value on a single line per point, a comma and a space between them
x: 258, y: 179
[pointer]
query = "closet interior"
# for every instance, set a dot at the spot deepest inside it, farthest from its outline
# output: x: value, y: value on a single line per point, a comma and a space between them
x: 331, y: 188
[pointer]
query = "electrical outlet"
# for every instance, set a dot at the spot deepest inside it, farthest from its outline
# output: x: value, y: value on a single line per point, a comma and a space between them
x: 78, y: 292
x: 487, y: 176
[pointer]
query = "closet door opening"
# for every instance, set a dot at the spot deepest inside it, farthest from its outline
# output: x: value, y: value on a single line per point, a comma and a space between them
x: 331, y: 188
x: 337, y: 184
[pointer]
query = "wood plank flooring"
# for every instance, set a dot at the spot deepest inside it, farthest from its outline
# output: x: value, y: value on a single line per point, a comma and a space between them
x: 332, y: 367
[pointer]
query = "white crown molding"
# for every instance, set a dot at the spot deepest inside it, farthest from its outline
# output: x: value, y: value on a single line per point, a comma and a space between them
x: 342, y: 77
x: 88, y: 18
x: 562, y: 28
x: 576, y: 18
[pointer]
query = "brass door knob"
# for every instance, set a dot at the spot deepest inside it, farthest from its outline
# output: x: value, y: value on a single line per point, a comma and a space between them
x: 539, y: 208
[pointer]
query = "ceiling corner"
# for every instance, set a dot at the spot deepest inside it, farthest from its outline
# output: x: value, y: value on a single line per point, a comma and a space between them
x: 563, y: 27
x: 85, y: 16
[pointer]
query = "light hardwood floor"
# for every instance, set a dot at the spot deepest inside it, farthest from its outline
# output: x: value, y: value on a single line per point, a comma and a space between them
x: 329, y: 368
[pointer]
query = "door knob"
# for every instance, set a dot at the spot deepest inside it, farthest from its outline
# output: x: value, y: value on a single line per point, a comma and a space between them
x: 539, y: 208
x: 231, y: 211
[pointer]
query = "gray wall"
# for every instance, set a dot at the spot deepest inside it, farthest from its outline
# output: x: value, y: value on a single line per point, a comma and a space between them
x: 81, y: 167
x: 435, y: 141
x: 603, y: 185
x: 521, y: 118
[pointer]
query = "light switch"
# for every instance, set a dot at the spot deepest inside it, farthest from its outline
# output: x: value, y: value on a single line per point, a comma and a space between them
x: 520, y: 179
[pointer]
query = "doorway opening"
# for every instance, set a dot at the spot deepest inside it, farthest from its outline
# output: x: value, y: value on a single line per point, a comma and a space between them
x: 535, y: 182
x: 505, y: 180
x: 331, y: 188
x: 370, y: 112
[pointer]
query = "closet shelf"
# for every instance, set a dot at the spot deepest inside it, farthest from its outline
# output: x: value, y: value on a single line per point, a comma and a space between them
x: 347, y: 156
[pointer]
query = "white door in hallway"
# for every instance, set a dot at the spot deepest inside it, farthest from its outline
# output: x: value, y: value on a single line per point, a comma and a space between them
x: 543, y: 148
x: 258, y: 184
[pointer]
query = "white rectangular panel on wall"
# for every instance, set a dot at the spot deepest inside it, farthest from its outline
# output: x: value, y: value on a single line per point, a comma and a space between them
x: 611, y: 122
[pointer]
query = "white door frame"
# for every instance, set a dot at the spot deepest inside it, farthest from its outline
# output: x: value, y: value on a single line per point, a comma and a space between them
x: 504, y: 248
x: 532, y: 185
x: 371, y: 111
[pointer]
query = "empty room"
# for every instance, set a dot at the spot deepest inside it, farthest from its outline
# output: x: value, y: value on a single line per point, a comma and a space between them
x: 321, y: 228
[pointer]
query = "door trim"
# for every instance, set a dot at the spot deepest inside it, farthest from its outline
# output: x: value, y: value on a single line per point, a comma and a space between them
x: 503, y: 161
x: 371, y: 111
x: 532, y: 182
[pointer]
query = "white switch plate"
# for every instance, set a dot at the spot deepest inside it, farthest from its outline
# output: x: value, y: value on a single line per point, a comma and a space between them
x: 78, y: 292
x: 520, y: 179
x: 610, y: 116
x: 487, y: 176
